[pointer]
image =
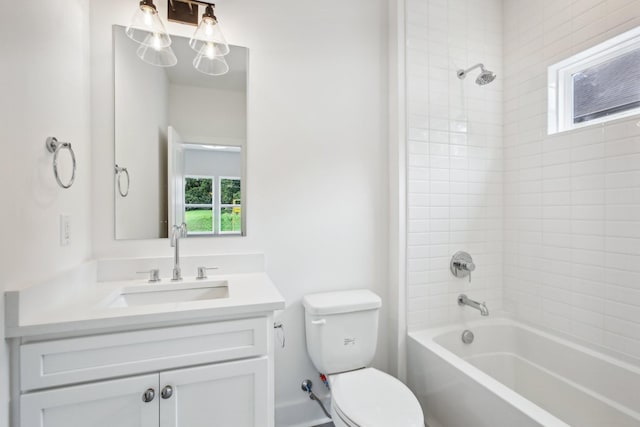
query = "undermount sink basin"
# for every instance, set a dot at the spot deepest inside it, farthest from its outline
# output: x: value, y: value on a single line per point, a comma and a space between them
x: 170, y: 293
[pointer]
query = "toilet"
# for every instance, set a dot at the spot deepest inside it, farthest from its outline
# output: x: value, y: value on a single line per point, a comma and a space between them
x: 342, y: 334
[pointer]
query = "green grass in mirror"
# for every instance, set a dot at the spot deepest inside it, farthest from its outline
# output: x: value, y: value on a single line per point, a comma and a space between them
x: 230, y: 220
x: 199, y: 220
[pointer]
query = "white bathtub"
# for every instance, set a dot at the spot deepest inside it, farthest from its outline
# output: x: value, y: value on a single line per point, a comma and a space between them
x: 513, y: 375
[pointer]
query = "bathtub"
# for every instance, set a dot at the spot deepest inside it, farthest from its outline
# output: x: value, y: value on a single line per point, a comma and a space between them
x: 513, y: 375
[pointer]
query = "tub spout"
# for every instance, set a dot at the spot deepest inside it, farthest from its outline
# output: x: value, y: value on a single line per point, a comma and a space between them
x: 481, y: 306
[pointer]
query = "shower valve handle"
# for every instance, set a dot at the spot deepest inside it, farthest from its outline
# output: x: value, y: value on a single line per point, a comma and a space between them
x: 465, y: 266
x: 462, y: 265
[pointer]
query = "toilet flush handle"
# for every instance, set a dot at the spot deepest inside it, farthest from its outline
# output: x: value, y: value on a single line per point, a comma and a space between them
x: 319, y: 322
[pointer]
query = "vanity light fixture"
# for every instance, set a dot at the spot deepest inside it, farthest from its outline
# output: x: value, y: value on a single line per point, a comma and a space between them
x: 207, y: 62
x: 209, y: 33
x: 159, y: 56
x: 147, y: 29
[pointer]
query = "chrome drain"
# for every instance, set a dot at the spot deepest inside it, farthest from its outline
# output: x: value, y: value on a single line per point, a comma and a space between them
x: 467, y: 336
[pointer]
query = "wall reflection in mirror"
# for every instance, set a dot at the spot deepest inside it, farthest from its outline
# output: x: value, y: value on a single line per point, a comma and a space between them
x: 180, y: 135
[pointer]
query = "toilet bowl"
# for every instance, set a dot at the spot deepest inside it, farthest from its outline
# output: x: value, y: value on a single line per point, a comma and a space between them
x: 370, y: 398
x: 342, y: 332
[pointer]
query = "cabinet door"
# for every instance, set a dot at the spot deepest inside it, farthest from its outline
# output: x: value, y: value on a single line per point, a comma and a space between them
x: 104, y: 404
x: 233, y: 394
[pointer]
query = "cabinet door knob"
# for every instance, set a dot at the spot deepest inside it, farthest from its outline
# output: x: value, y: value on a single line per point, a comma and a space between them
x: 148, y: 395
x: 166, y: 392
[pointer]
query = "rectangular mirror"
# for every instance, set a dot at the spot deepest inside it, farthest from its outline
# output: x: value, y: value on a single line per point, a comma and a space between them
x: 180, y: 144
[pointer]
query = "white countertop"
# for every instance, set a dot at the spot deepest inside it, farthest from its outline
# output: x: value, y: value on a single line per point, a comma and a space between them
x: 87, y: 310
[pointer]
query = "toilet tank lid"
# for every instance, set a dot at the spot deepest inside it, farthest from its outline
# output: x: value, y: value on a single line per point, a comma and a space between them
x: 341, y: 302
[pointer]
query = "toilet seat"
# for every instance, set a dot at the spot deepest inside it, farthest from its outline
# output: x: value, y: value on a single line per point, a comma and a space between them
x: 371, y: 398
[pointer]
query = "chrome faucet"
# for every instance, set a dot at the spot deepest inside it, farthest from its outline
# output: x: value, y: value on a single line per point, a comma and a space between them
x: 177, y: 232
x: 464, y: 300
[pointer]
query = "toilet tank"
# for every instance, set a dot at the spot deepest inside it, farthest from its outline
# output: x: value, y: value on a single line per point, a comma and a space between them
x: 341, y: 329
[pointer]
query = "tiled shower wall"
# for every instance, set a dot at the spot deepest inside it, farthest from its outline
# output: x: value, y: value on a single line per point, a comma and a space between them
x: 572, y: 200
x: 562, y: 211
x: 454, y: 156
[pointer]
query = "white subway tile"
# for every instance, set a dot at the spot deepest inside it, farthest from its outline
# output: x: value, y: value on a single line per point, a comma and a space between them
x: 589, y: 167
x: 622, y: 311
x: 623, y: 212
x: 587, y: 152
x: 623, y: 163
x: 620, y: 147
x: 623, y: 179
x: 622, y: 328
x: 630, y: 229
x: 622, y: 262
x: 554, y: 221
x: 587, y: 331
x: 622, y: 344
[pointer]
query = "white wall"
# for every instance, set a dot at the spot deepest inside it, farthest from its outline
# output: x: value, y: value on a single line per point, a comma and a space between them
x: 141, y: 118
x: 317, y: 172
x: 454, y: 157
x: 212, y: 163
x: 572, y: 200
x: 226, y: 112
x: 45, y: 92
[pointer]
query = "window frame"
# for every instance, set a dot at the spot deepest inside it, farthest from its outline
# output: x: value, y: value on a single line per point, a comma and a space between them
x: 201, y: 205
x: 220, y: 205
x: 560, y: 81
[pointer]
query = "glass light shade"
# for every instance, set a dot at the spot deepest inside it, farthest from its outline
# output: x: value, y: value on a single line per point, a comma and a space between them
x: 151, y: 53
x: 209, y: 31
x: 145, y: 22
x: 207, y: 62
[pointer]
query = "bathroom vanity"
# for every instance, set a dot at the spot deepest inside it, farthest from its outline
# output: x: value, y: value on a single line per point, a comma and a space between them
x: 107, y: 357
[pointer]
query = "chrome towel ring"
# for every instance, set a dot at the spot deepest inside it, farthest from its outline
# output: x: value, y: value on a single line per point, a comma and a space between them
x: 119, y: 171
x: 55, y: 147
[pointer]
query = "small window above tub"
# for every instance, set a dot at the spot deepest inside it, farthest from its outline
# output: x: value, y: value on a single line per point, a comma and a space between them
x: 597, y: 85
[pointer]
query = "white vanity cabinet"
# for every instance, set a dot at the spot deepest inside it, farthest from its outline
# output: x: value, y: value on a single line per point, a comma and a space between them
x: 225, y: 394
x: 210, y: 374
x: 102, y: 404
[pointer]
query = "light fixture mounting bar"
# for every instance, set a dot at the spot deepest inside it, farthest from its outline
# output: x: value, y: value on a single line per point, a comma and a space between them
x: 194, y: 2
x: 184, y: 12
x: 173, y: 7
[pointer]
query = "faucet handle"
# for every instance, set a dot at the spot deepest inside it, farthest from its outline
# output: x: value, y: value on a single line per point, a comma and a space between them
x: 154, y: 274
x: 462, y: 265
x: 469, y: 266
x: 202, y: 272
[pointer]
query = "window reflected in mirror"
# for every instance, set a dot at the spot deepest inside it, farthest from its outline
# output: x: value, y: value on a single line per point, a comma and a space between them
x: 213, y: 205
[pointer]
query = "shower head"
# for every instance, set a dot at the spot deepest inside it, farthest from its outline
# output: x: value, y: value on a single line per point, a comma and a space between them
x: 484, y: 78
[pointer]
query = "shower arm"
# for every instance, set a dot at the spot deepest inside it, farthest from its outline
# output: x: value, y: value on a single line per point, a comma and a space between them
x: 463, y: 73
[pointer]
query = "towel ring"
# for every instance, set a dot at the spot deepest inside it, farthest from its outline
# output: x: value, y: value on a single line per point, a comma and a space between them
x: 119, y: 171
x: 55, y: 147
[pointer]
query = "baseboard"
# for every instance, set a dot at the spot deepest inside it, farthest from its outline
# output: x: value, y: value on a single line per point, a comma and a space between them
x: 301, y: 413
